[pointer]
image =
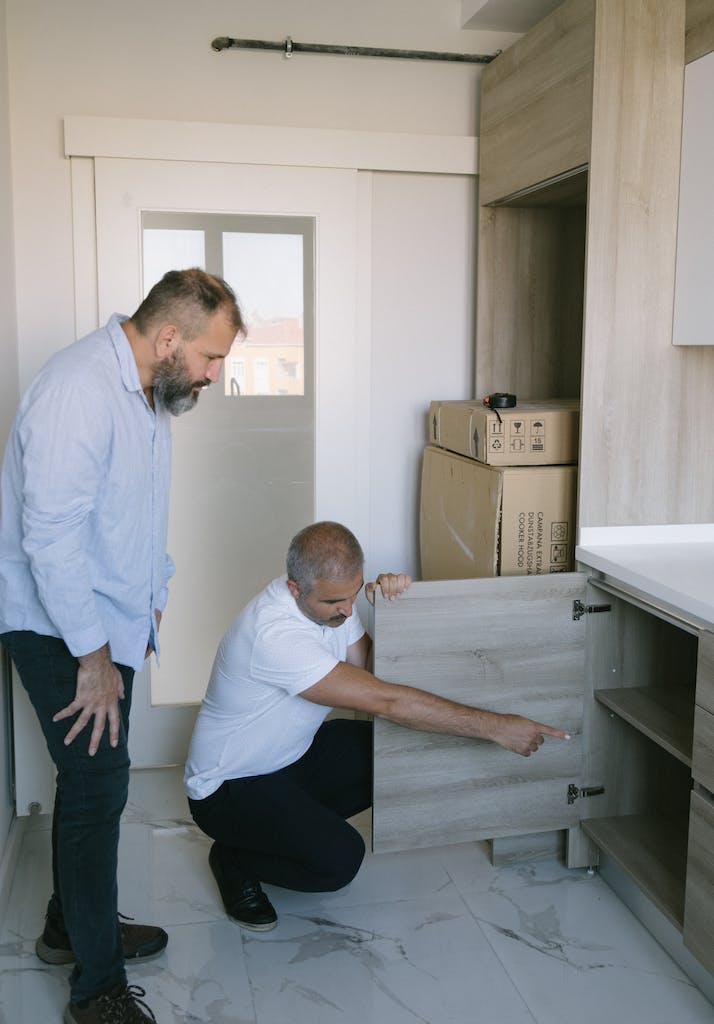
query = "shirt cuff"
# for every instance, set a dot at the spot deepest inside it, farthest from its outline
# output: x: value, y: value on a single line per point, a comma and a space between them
x: 85, y: 641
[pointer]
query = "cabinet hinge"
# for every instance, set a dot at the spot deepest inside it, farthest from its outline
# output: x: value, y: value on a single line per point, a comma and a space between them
x: 580, y: 609
x: 575, y: 791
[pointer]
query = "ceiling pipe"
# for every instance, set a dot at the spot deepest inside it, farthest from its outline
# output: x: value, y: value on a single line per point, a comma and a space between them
x: 288, y: 47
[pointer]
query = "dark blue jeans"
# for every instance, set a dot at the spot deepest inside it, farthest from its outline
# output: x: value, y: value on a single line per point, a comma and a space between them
x: 90, y: 797
x: 288, y: 828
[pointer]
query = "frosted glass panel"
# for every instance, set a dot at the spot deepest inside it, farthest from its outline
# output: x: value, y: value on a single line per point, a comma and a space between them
x: 266, y: 271
x: 171, y: 249
x: 243, y: 473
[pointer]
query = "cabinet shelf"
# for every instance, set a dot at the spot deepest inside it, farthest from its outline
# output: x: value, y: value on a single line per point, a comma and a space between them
x: 665, y: 715
x: 653, y: 851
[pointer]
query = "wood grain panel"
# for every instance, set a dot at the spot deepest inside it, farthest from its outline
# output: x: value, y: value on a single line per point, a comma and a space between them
x: 703, y: 753
x: 653, y: 851
x: 699, y: 895
x: 530, y: 301
x: 536, y: 102
x: 705, y: 671
x: 666, y: 716
x: 506, y: 644
x: 699, y: 38
x: 628, y: 648
x: 632, y: 470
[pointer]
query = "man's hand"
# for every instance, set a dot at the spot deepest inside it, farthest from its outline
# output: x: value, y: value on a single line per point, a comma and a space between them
x: 100, y: 687
x: 391, y: 584
x: 521, y: 735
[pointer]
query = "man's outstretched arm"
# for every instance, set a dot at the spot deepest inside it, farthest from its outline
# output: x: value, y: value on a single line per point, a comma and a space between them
x: 350, y: 687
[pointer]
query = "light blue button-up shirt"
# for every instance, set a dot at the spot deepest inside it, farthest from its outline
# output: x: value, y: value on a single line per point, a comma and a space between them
x: 84, y: 503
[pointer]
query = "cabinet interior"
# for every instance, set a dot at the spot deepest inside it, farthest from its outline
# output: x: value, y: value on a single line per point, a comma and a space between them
x: 530, y: 301
x: 642, y: 671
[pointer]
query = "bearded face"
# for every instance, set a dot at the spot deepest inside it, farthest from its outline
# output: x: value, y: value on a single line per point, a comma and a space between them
x: 173, y: 385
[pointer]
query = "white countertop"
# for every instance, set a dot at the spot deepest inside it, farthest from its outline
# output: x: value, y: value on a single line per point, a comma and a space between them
x: 673, y: 565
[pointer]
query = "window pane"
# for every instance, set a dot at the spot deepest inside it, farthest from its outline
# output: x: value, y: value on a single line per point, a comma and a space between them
x: 171, y: 249
x: 266, y: 271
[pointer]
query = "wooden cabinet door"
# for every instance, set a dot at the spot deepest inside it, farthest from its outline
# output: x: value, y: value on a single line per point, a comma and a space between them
x: 699, y: 894
x: 509, y: 644
x: 699, y: 891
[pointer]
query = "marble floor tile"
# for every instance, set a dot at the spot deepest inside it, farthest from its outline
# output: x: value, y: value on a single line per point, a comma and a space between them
x: 383, y: 877
x: 471, y: 870
x: 201, y: 976
x: 574, y: 951
x: 437, y: 936
x: 164, y: 876
x: 398, y: 962
x: 31, y: 888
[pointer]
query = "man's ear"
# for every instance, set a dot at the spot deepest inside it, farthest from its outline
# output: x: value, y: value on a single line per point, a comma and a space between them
x: 293, y: 588
x: 166, y: 340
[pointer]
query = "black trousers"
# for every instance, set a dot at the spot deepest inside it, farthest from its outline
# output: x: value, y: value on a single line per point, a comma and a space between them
x: 288, y: 828
x: 90, y: 797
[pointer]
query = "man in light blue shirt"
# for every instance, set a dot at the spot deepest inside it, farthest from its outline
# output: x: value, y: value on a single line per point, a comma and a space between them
x: 83, y: 583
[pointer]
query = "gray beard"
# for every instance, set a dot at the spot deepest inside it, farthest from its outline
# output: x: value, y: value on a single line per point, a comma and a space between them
x: 172, y: 389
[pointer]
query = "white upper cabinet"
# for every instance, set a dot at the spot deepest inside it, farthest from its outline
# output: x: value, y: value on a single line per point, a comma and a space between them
x: 693, y: 295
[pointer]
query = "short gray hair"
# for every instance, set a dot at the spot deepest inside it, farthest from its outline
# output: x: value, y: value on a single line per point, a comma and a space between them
x: 188, y: 298
x: 323, y: 551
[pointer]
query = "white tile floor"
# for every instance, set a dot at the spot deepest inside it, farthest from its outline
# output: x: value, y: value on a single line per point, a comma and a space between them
x: 438, y: 936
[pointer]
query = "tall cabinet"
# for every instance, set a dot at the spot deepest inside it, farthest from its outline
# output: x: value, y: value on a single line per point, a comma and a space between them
x: 579, y: 180
x: 579, y: 175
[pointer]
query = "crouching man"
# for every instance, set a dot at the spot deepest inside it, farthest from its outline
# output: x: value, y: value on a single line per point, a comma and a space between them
x: 267, y: 778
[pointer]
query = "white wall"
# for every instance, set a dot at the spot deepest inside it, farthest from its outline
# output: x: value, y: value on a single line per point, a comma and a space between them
x: 8, y: 379
x: 421, y: 349
x: 155, y: 61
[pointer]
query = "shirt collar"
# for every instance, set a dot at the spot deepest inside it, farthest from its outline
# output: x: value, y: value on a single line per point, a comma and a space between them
x: 125, y: 355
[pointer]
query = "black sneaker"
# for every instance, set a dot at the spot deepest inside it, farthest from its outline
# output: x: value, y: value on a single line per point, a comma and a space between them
x: 140, y: 941
x: 122, y: 1005
x: 246, y: 902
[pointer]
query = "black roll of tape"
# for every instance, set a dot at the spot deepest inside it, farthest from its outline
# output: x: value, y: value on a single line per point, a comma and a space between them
x: 500, y: 400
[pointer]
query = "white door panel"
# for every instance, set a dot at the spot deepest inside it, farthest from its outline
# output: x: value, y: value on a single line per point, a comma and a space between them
x: 237, y: 497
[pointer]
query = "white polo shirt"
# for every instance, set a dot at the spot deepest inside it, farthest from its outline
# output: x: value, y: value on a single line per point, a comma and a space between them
x: 253, y: 720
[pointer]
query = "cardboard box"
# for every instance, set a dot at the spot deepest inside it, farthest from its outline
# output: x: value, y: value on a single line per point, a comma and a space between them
x: 543, y: 433
x: 478, y: 520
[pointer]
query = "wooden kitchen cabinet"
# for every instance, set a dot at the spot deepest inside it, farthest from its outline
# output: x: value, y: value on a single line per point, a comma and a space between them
x: 537, y: 103
x: 579, y: 176
x: 579, y: 163
x: 503, y: 644
x: 623, y: 677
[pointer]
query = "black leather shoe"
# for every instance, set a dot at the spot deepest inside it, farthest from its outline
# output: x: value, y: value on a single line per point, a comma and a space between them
x: 245, y: 902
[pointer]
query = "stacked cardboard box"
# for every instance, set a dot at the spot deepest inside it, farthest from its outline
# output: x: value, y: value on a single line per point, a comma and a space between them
x: 498, y: 490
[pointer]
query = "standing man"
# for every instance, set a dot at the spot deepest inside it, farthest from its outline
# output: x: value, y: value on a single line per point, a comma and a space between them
x: 266, y: 777
x: 83, y: 583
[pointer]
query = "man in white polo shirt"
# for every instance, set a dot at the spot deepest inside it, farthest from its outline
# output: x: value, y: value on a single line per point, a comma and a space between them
x: 267, y: 778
